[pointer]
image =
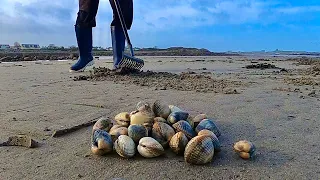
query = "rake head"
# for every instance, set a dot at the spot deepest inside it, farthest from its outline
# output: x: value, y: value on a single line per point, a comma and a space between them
x: 129, y: 62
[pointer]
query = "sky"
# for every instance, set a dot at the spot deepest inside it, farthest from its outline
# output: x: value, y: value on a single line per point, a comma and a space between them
x: 217, y: 25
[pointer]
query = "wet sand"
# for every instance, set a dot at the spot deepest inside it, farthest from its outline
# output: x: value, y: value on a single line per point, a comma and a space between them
x: 280, y: 116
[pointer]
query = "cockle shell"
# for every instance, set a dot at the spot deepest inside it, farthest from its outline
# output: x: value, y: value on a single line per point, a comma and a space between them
x: 177, y: 116
x: 101, y: 142
x: 103, y: 123
x: 246, y: 149
x: 161, y: 109
x: 215, y: 140
x: 163, y: 133
x: 116, y: 126
x: 125, y: 146
x: 178, y: 143
x: 136, y: 132
x: 123, y: 119
x: 115, y: 133
x: 150, y: 148
x: 174, y: 108
x: 209, y: 125
x: 138, y: 117
x: 145, y: 108
x: 190, y: 121
x: 199, y: 150
x: 160, y: 119
x: 196, y: 120
x: 185, y: 127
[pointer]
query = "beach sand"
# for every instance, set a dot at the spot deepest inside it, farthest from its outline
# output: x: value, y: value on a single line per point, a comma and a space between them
x: 279, y: 115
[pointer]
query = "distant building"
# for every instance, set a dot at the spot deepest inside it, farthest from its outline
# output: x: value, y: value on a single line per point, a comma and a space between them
x: 4, y: 46
x: 30, y: 46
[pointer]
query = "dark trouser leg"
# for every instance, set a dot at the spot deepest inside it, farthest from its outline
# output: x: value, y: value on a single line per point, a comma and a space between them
x: 117, y: 35
x: 83, y: 29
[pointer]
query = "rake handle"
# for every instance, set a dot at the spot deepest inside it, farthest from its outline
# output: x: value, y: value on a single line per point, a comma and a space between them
x: 124, y: 27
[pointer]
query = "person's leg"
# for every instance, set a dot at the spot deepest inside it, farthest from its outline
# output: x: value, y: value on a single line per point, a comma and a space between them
x: 118, y: 44
x: 117, y: 35
x: 83, y: 29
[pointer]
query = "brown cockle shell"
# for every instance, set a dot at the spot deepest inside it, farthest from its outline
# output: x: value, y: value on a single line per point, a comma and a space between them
x: 199, y: 150
x: 178, y: 143
x: 163, y: 133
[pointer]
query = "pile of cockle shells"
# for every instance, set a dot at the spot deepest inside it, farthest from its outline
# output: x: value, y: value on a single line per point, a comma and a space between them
x: 151, y: 129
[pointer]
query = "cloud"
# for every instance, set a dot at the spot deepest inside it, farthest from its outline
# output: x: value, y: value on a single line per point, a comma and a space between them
x: 52, y: 21
x: 296, y: 10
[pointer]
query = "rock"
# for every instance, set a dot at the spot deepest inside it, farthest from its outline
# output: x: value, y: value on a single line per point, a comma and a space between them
x: 27, y: 58
x: 21, y: 140
x: 231, y: 91
x: 312, y: 93
x: 261, y: 66
x: 4, y: 59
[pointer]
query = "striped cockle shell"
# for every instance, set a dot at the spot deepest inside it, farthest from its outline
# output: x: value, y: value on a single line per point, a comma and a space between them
x: 163, y: 133
x: 159, y: 119
x: 103, y: 123
x: 123, y: 119
x: 138, y: 117
x: 215, y: 140
x: 145, y: 108
x: 150, y: 148
x: 115, y: 133
x: 246, y: 149
x: 185, y: 127
x: 199, y: 150
x: 196, y: 120
x: 161, y: 109
x: 136, y: 132
x: 208, y: 124
x: 125, y: 146
x: 178, y: 143
x: 177, y: 116
x: 101, y: 142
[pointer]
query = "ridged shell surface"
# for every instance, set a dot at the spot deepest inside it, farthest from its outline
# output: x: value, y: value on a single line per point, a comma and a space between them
x: 185, y: 127
x: 136, y: 132
x: 199, y: 150
x: 161, y: 109
x: 103, y: 123
x: 163, y: 133
x: 140, y: 118
x: 123, y: 119
x: 178, y: 143
x: 215, y: 140
x: 115, y: 133
x: 196, y: 120
x: 150, y: 148
x: 246, y: 149
x: 160, y: 119
x: 101, y: 142
x: 145, y: 108
x: 209, y: 125
x: 177, y: 116
x: 125, y: 146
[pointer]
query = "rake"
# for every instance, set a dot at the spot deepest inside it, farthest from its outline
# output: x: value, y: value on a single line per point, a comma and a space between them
x: 128, y: 62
